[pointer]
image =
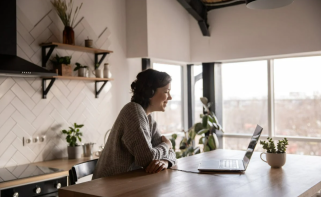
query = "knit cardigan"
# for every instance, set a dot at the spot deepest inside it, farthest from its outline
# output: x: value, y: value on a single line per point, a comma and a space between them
x: 134, y: 141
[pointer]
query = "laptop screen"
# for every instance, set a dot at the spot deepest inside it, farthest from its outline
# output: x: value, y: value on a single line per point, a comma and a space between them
x: 255, y: 138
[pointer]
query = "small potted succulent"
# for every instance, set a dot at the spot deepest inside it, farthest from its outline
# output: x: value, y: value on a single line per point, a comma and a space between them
x: 74, y: 134
x: 62, y: 65
x: 82, y: 70
x: 275, y: 155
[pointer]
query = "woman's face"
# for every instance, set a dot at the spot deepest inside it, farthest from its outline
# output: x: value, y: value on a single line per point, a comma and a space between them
x: 159, y: 101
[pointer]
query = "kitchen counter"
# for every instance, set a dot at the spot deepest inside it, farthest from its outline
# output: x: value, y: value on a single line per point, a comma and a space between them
x: 64, y: 164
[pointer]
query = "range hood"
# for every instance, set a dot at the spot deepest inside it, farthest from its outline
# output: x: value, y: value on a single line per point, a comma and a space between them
x: 10, y: 63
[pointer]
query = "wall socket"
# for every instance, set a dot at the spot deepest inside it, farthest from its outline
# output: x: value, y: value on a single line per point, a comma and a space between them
x: 34, y: 140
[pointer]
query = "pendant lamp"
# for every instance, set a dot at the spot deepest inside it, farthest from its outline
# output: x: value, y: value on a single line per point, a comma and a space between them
x: 267, y: 4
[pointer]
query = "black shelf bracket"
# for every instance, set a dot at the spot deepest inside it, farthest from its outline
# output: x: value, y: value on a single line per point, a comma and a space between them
x: 97, y: 92
x: 45, y: 89
x: 46, y: 56
x: 101, y: 59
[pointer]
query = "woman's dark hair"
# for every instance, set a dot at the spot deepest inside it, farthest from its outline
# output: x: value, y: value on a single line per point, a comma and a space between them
x: 145, y: 85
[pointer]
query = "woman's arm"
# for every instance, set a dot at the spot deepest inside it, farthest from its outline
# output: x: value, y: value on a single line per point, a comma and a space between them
x: 137, y: 139
x: 157, y: 139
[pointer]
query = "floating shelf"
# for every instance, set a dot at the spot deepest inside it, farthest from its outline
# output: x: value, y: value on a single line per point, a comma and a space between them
x: 46, y: 89
x: 53, y: 45
x: 75, y: 47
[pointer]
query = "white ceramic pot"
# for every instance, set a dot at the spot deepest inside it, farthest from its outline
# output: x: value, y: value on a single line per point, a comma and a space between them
x: 275, y: 160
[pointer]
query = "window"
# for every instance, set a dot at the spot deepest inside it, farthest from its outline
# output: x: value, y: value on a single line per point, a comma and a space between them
x: 297, y: 93
x: 171, y: 120
x: 244, y: 87
x: 198, y: 92
x: 294, y: 94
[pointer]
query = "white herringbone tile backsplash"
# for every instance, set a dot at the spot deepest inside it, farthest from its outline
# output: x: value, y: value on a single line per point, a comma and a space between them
x: 23, y: 112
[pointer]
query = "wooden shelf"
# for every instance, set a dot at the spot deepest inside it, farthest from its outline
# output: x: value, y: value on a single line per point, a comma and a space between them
x: 80, y: 78
x: 46, y: 89
x: 75, y: 47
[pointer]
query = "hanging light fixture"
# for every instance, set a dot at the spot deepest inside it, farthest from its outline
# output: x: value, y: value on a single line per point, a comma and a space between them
x: 267, y: 4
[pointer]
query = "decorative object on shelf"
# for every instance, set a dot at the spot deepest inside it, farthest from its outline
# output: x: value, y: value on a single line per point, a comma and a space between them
x: 88, y: 43
x: 82, y: 70
x: 98, y: 72
x: 275, y: 157
x: 88, y: 149
x: 208, y: 126
x: 106, y: 70
x: 73, y: 134
x: 64, y: 11
x: 62, y: 65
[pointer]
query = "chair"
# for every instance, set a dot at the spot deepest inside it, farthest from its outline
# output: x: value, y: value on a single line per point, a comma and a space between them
x: 81, y: 170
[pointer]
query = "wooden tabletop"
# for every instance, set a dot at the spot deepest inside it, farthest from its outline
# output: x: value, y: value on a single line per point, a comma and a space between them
x: 300, y: 176
x: 64, y: 164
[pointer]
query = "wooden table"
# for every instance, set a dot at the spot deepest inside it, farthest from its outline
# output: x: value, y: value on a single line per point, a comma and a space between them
x: 300, y: 176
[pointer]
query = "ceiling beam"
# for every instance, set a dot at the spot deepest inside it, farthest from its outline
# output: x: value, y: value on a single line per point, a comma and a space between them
x: 199, y: 11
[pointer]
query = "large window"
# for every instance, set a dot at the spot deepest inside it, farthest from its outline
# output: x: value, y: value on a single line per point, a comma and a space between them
x: 298, y: 96
x: 245, y: 88
x: 281, y: 95
x: 171, y: 120
x: 198, y: 92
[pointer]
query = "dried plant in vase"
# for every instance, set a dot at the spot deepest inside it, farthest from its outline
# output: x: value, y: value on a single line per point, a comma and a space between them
x: 68, y: 17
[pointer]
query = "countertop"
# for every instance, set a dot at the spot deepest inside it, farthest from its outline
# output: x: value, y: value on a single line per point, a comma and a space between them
x: 64, y: 164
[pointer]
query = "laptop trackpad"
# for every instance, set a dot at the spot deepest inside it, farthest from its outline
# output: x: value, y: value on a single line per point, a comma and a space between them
x: 209, y: 165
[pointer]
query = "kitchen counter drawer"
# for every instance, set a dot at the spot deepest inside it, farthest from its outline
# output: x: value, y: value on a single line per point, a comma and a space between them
x: 35, y: 189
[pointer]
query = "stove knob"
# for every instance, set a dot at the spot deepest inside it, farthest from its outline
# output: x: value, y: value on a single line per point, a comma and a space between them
x: 58, y: 185
x: 38, y: 190
x: 16, y: 194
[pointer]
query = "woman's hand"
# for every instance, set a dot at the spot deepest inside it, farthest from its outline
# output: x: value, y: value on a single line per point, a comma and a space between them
x: 167, y: 141
x: 156, y: 166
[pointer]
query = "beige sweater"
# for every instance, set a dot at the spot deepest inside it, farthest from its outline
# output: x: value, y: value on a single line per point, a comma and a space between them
x: 133, y: 143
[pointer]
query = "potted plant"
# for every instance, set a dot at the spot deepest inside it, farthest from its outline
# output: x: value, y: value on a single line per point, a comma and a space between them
x: 73, y: 134
x: 82, y: 70
x: 62, y: 65
x: 207, y: 129
x: 275, y: 156
x: 68, y: 18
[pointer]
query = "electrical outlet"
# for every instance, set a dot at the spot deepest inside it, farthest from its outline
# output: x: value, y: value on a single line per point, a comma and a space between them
x: 36, y: 139
x: 42, y: 139
x: 27, y: 141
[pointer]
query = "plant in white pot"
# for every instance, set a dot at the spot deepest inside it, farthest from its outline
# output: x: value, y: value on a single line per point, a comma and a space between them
x: 82, y: 70
x: 275, y: 156
x: 74, y: 134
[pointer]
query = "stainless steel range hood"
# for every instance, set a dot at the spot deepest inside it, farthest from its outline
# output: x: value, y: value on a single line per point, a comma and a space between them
x: 10, y: 63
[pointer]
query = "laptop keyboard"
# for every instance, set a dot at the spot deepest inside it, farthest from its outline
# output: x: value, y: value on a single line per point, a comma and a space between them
x: 229, y: 164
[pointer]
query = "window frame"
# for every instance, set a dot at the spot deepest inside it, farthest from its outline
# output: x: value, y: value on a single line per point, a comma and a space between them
x: 271, y: 104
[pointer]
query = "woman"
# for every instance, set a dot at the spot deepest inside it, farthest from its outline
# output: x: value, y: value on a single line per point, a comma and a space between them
x: 134, y: 141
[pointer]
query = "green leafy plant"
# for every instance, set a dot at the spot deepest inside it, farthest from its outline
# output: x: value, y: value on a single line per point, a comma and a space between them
x: 73, y: 134
x: 269, y: 145
x: 64, y: 11
x: 61, y: 60
x: 78, y: 66
x: 207, y: 129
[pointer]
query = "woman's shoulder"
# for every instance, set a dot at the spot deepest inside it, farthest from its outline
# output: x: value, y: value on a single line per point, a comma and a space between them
x: 133, y: 108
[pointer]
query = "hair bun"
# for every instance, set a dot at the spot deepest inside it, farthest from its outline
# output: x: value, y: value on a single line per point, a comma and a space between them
x: 133, y: 85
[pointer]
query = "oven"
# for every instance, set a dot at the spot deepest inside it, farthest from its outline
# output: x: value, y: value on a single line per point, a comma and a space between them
x: 47, y: 188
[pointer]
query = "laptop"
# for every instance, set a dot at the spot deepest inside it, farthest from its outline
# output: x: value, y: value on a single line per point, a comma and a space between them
x: 233, y: 164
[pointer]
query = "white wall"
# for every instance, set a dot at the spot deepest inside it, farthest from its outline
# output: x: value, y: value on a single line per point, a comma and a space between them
x: 136, y: 21
x: 238, y: 32
x: 23, y: 112
x: 168, y: 30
